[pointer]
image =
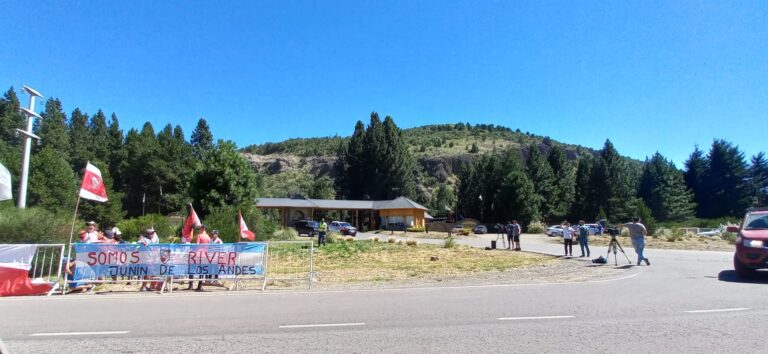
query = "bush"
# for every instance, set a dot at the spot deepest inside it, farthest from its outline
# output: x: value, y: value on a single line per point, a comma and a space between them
x: 131, y: 228
x: 449, y: 243
x: 536, y: 227
x: 730, y: 237
x: 412, y: 243
x: 287, y: 234
x: 391, y: 240
x: 399, y: 242
x: 333, y: 237
x: 465, y: 231
x: 375, y: 239
x: 416, y: 229
x: 34, y: 225
x: 349, y: 239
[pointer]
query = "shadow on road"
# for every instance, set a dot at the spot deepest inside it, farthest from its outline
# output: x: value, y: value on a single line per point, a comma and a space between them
x: 731, y: 277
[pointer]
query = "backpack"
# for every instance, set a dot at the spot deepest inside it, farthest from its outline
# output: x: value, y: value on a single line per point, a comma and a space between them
x: 599, y: 260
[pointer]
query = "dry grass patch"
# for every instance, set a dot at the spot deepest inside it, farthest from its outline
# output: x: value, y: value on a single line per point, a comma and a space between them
x: 369, y: 261
x: 686, y: 242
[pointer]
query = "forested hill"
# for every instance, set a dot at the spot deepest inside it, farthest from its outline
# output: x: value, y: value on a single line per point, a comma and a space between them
x: 291, y: 165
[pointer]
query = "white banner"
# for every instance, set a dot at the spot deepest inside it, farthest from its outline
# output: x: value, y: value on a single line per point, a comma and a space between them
x: 5, y: 184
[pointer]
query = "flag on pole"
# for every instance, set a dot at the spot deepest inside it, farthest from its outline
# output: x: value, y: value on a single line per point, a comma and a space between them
x: 93, y: 186
x: 5, y: 184
x: 190, y: 224
x: 244, y: 232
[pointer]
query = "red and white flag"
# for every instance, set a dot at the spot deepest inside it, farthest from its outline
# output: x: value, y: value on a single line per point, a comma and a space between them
x: 190, y: 224
x: 244, y: 232
x: 93, y: 186
x: 5, y: 183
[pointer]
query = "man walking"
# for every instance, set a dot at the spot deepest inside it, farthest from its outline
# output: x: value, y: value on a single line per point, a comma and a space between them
x: 583, y: 238
x: 637, y: 232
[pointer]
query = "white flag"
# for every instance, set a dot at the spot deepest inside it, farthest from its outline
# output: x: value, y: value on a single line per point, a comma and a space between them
x: 5, y: 183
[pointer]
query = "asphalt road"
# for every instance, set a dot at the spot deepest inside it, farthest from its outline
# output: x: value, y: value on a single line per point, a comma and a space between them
x: 687, y: 301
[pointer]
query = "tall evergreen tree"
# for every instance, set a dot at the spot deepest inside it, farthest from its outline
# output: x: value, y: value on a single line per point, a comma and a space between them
x: 540, y: 174
x: 663, y: 190
x: 759, y: 176
x: 564, y: 182
x: 52, y: 184
x: 117, y: 153
x: 52, y: 129
x: 99, y: 137
x: 10, y: 118
x: 174, y: 170
x: 442, y: 201
x: 585, y: 204
x: 142, y: 151
x: 695, y: 168
x: 202, y: 138
x: 225, y: 178
x: 518, y: 197
x: 399, y: 168
x: 468, y: 190
x: 725, y: 184
x: 613, y: 184
x: 80, y: 140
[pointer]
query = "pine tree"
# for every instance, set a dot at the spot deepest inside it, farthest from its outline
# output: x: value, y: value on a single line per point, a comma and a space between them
x: 399, y: 167
x: 518, y: 197
x: 142, y: 154
x: 468, y: 190
x: 663, y: 190
x: 759, y: 177
x: 584, y: 200
x: 10, y: 118
x: 52, y: 184
x: 442, y: 201
x: 613, y: 185
x: 117, y: 153
x: 564, y: 182
x: 80, y: 140
x: 225, y: 178
x: 725, y: 183
x: 52, y: 129
x: 540, y: 174
x: 99, y: 138
x: 695, y: 169
x: 202, y: 138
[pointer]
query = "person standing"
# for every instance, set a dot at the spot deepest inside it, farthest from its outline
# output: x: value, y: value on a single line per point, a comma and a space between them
x: 583, y: 238
x: 215, y: 238
x: 568, y: 239
x: 637, y: 232
x: 510, y: 234
x: 516, y: 231
x: 321, y: 234
x: 202, y: 238
x: 91, y: 232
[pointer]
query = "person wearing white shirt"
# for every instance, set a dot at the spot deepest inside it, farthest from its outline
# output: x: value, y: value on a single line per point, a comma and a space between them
x: 568, y: 239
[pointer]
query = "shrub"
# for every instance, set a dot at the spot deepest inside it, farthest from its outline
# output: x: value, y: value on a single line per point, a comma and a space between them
x: 287, y: 234
x: 449, y: 243
x: 131, y: 228
x: 399, y: 242
x: 465, y: 231
x: 333, y: 237
x: 675, y: 235
x: 730, y: 237
x: 391, y: 240
x: 34, y: 225
x: 416, y: 229
x: 375, y: 239
x: 349, y: 239
x: 536, y: 227
x: 412, y: 243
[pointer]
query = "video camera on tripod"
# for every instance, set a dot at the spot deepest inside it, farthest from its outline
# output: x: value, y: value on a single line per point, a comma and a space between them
x: 614, y: 246
x: 613, y: 231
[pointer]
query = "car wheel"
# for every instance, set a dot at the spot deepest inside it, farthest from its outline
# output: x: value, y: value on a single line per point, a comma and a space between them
x: 742, y: 270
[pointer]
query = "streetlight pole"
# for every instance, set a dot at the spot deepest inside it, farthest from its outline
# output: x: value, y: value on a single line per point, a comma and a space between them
x: 30, y: 113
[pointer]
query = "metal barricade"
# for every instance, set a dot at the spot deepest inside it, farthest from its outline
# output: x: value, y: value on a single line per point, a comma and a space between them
x: 290, y: 261
x: 47, y: 265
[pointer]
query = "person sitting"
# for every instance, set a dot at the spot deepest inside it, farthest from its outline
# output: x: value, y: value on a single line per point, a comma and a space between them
x: 76, y: 274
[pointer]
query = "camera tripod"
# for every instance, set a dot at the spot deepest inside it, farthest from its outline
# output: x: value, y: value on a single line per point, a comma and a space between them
x: 615, y: 246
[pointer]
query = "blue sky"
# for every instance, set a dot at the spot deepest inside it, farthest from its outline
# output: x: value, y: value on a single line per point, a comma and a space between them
x: 651, y: 76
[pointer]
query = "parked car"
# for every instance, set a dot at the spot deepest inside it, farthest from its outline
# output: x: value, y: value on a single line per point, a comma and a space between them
x: 751, y: 242
x: 342, y: 227
x: 594, y: 229
x: 554, y: 230
x: 480, y: 229
x: 310, y: 228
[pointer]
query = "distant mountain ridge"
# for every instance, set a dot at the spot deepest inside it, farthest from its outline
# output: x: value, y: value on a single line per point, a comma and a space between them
x: 440, y: 150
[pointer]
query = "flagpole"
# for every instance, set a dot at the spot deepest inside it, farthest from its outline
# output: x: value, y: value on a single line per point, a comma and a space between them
x: 69, y: 254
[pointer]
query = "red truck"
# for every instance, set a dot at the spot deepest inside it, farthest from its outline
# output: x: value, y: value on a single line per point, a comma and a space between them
x: 751, y: 243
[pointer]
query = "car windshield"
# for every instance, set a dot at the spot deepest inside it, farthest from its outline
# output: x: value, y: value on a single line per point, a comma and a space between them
x: 312, y: 223
x: 757, y: 222
x: 345, y: 224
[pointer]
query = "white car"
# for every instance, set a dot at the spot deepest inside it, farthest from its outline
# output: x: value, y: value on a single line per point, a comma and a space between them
x: 342, y: 227
x: 554, y: 230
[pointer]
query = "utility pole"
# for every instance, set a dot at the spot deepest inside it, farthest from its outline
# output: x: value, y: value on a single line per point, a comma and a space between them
x: 31, y: 115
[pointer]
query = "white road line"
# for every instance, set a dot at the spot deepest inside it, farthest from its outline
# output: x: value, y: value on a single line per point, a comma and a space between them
x: 718, y: 310
x: 324, y: 325
x: 77, y: 333
x: 532, y: 318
